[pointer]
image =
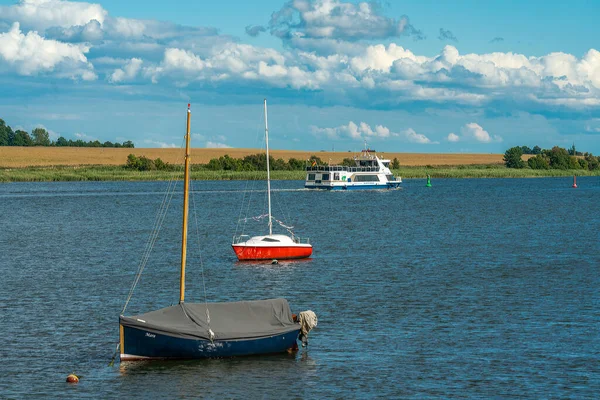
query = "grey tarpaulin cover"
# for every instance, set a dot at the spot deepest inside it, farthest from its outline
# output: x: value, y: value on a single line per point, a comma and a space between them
x: 228, y: 321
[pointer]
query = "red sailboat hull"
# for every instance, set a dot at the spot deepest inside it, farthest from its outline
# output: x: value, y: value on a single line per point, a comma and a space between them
x: 247, y: 253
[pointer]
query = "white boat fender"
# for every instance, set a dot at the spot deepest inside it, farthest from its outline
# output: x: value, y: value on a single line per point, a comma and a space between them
x: 308, y: 321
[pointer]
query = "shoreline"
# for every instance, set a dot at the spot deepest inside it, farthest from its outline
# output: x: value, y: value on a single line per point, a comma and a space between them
x: 116, y: 173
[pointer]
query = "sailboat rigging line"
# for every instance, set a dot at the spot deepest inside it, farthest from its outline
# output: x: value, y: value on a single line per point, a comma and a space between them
x: 158, y: 221
x: 237, y: 226
x: 200, y: 254
x: 151, y: 241
x: 286, y: 218
x: 250, y: 181
x: 263, y: 216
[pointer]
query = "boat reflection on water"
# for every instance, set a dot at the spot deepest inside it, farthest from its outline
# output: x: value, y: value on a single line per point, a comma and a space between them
x: 266, y: 264
x: 216, y: 366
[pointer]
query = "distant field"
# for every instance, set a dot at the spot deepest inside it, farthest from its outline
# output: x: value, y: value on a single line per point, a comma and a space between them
x: 18, y: 157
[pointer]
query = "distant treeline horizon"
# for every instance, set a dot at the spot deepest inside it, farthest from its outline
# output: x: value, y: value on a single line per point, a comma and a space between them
x: 252, y: 162
x: 41, y: 137
x: 555, y: 158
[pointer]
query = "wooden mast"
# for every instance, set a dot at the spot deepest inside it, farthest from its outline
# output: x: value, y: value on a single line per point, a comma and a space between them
x: 268, y: 170
x: 186, y: 188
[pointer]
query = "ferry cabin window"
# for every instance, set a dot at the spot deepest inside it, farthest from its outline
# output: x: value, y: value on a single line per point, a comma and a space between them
x: 366, y: 178
x: 336, y: 176
x: 325, y: 177
x: 311, y: 177
x: 390, y: 177
x: 386, y: 164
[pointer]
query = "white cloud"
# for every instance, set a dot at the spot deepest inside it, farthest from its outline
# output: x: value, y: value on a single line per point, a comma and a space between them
x: 364, y: 131
x: 334, y: 19
x: 381, y: 58
x: 592, y: 125
x: 452, y: 137
x: 234, y: 61
x: 475, y: 131
x: 82, y: 21
x: 128, y: 72
x: 178, y: 59
x: 216, y: 145
x: 85, y: 137
x: 353, y: 71
x: 43, y: 14
x: 59, y: 117
x: 472, y: 79
x: 164, y: 145
x: 415, y: 137
x: 351, y: 130
x: 30, y: 54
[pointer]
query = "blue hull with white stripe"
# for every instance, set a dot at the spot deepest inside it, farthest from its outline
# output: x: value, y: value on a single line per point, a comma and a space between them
x: 138, y: 344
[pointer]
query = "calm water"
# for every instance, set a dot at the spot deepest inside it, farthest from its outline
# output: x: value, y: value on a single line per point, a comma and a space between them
x: 471, y: 288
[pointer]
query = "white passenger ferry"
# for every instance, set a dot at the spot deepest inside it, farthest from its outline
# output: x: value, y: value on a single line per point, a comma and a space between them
x: 370, y: 172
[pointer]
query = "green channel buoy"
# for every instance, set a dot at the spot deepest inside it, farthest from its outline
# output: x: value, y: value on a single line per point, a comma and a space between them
x: 428, y: 181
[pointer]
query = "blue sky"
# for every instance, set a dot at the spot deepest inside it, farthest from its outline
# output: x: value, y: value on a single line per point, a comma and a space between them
x: 414, y: 76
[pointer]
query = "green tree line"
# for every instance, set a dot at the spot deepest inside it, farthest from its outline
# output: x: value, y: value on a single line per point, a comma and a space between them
x: 41, y: 137
x: 258, y: 162
x: 555, y: 158
x: 253, y: 162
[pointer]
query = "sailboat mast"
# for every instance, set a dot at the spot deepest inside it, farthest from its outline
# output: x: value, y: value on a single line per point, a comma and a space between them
x: 186, y: 188
x: 268, y: 170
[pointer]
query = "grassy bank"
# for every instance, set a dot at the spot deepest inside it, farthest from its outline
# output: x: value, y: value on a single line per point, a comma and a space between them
x: 112, y: 173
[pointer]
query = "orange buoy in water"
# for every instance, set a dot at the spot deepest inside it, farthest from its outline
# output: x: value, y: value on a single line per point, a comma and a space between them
x: 73, y: 378
x: 574, y: 181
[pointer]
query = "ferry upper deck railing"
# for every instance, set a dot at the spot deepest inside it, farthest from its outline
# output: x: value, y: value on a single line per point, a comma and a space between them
x: 322, y: 168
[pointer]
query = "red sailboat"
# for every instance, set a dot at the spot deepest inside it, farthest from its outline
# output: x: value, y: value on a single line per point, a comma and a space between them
x: 270, y: 247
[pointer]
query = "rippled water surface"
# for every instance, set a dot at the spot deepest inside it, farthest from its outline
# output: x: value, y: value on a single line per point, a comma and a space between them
x: 471, y: 288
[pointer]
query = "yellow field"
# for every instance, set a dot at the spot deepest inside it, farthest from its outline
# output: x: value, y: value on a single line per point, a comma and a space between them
x: 15, y: 157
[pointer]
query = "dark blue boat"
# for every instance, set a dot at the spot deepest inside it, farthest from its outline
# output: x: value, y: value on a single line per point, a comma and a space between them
x: 234, y: 329
x: 206, y: 330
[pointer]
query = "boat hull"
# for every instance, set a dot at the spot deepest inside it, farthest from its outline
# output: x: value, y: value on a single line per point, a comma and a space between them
x: 140, y: 344
x: 354, y: 187
x: 249, y: 252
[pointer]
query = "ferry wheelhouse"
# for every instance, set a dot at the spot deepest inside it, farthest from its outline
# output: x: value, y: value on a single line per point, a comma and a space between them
x: 370, y: 172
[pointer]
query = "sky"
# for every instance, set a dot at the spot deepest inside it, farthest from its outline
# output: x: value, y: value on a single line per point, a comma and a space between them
x: 404, y: 76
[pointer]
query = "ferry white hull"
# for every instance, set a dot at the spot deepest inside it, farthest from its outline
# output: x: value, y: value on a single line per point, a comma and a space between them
x: 354, y: 186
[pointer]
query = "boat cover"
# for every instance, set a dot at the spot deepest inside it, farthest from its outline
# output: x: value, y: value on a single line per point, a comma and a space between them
x: 228, y: 321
